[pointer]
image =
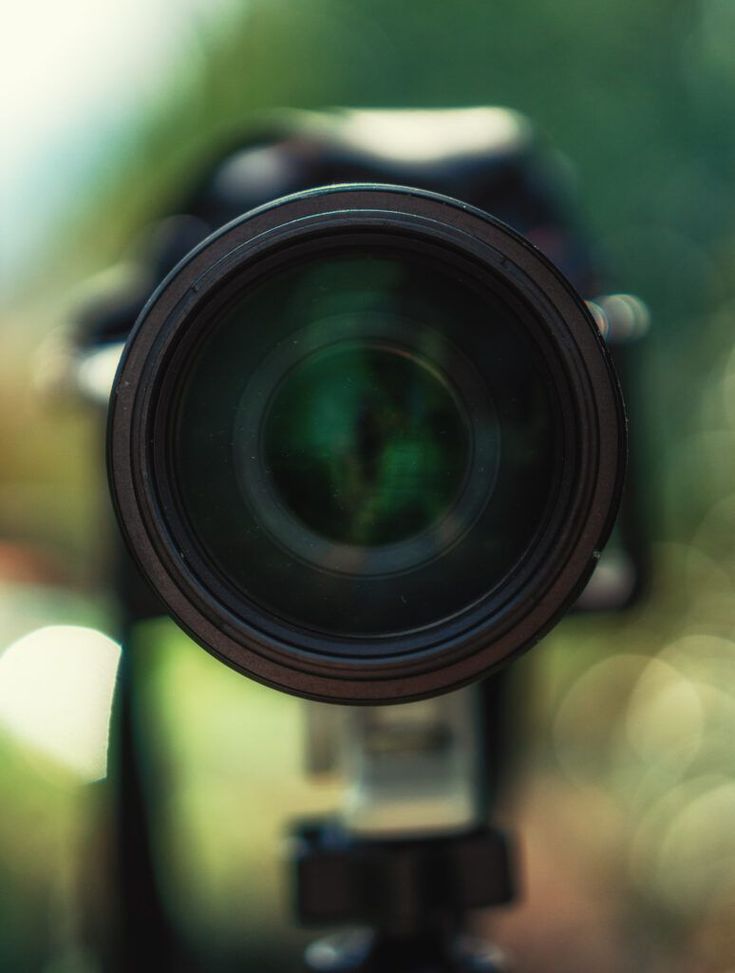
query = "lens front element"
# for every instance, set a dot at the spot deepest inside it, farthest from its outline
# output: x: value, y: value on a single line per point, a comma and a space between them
x: 365, y: 444
x: 377, y: 458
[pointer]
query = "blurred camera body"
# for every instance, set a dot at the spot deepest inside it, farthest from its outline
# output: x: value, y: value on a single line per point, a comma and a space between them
x: 487, y: 158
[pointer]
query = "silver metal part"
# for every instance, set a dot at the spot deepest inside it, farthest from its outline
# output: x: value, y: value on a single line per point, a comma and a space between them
x: 412, y: 769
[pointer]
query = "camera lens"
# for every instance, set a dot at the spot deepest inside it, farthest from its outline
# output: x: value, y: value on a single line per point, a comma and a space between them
x: 366, y: 444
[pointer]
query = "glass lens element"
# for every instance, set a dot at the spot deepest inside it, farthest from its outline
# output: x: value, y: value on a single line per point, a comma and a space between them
x: 365, y: 443
x: 366, y: 439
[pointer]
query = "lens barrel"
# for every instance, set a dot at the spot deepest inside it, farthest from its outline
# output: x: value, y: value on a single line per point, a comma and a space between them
x: 366, y: 444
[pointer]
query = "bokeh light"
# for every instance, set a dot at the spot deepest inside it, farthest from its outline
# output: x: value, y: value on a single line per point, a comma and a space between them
x: 56, y: 687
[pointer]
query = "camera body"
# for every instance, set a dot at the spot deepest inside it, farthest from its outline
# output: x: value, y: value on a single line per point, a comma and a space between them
x: 475, y: 468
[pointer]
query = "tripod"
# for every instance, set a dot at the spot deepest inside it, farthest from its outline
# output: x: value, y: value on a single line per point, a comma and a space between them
x: 409, y: 856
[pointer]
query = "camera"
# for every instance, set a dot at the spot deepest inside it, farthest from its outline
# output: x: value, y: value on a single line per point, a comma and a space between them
x: 366, y: 441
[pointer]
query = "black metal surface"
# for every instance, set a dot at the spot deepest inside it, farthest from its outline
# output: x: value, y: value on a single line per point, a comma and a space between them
x: 399, y: 887
x: 408, y: 898
x: 141, y: 937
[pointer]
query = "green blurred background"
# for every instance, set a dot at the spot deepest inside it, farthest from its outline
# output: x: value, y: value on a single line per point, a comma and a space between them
x: 626, y: 800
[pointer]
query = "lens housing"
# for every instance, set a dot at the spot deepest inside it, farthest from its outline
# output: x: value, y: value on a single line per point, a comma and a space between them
x: 449, y: 508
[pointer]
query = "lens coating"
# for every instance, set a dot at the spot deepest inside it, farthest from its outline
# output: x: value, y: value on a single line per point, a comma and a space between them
x: 366, y: 442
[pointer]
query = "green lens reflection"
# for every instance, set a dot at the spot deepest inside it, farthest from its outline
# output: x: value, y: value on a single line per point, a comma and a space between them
x: 365, y: 443
x: 365, y: 439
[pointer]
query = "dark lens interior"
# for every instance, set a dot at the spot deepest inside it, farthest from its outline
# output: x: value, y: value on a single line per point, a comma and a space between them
x: 365, y: 443
x: 366, y: 436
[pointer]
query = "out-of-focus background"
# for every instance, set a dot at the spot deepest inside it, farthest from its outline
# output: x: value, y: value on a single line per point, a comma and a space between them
x: 626, y: 797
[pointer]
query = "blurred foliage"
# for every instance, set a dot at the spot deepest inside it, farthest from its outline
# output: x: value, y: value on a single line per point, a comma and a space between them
x: 637, y: 96
x: 638, y: 714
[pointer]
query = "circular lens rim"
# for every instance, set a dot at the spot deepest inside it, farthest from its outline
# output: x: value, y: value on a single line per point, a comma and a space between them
x: 456, y: 650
